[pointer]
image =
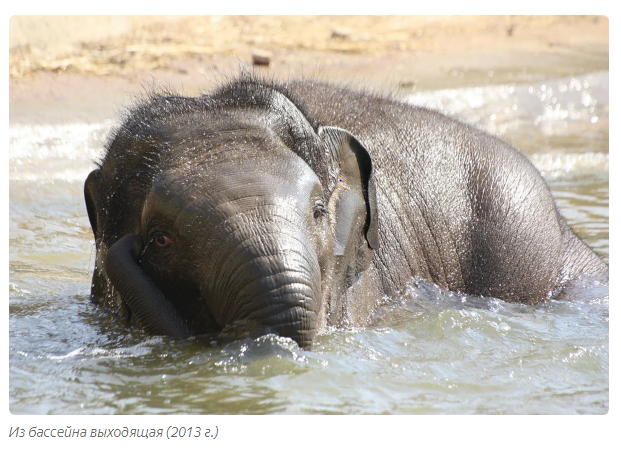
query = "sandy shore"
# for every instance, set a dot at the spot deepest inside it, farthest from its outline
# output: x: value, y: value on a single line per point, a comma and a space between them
x: 64, y: 69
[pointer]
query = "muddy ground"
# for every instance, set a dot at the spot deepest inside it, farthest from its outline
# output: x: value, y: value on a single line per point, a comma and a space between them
x: 69, y: 68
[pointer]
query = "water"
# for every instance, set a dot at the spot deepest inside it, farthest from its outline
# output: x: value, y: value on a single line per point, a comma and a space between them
x: 429, y: 352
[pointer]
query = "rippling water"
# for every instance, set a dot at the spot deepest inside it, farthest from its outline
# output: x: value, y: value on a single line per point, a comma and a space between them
x: 429, y: 352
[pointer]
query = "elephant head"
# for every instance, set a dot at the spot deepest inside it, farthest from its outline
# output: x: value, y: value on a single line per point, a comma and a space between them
x: 230, y: 226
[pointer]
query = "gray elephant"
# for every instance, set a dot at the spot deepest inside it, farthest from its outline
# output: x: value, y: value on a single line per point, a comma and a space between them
x: 284, y: 208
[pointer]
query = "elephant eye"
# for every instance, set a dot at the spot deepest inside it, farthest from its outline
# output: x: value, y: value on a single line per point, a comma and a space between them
x: 319, y: 210
x: 161, y: 240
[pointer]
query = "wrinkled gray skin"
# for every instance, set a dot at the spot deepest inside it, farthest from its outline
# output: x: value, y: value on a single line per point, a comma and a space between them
x: 286, y: 208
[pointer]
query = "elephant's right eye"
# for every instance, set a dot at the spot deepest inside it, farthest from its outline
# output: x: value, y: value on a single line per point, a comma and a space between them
x: 161, y: 240
x: 319, y: 210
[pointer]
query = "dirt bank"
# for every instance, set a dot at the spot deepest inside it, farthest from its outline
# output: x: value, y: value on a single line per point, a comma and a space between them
x: 84, y: 73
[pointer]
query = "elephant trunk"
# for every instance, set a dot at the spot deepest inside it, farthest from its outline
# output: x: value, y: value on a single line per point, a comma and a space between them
x: 289, y: 310
x: 272, y: 284
x: 146, y: 302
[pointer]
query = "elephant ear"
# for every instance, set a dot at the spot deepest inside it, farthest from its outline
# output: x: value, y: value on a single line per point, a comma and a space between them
x: 91, y: 185
x: 349, y: 163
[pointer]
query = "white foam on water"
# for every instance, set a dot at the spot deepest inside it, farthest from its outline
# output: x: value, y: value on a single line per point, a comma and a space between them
x: 71, y: 141
x: 55, y: 153
x: 42, y: 176
x: 560, y: 162
x: 496, y: 107
x: 73, y: 353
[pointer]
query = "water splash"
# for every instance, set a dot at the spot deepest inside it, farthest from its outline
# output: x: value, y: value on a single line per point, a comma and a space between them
x: 550, y: 105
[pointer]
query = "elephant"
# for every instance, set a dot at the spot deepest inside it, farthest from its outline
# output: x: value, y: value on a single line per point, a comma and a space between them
x: 289, y: 207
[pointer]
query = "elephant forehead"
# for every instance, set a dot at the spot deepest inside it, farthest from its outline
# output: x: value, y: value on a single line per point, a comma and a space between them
x: 280, y: 175
x: 230, y: 186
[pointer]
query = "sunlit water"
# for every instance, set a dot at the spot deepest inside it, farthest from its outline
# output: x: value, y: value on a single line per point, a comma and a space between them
x: 429, y: 351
